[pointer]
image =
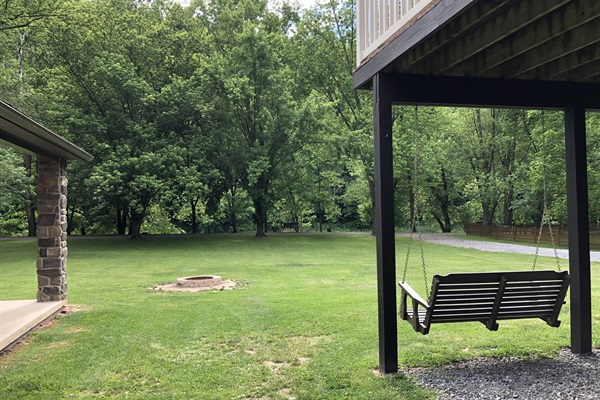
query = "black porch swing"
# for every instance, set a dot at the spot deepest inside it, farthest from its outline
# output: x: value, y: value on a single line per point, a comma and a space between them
x: 485, y: 297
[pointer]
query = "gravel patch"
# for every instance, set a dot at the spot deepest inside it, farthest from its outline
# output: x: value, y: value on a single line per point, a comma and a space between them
x: 448, y: 240
x: 568, y: 376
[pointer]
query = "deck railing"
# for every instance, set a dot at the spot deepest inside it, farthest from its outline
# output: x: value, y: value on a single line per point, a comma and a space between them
x: 378, y: 20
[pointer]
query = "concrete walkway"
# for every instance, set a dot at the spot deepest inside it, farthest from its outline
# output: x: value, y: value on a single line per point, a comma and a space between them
x: 454, y: 241
x: 19, y: 317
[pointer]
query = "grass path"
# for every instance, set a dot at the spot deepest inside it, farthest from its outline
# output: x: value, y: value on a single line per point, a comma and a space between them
x: 303, y: 324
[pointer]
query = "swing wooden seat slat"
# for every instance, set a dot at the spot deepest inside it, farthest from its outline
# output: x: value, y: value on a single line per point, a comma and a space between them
x: 487, y: 298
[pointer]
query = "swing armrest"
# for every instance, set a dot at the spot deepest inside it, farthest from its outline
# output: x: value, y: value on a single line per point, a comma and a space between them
x: 416, y: 302
x: 406, y: 289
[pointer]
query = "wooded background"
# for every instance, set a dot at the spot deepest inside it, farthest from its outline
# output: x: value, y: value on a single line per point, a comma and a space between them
x: 239, y: 115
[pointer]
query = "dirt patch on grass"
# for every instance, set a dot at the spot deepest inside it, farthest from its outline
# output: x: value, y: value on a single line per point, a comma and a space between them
x: 58, y: 345
x: 45, y: 325
x: 7, y: 355
x: 276, y: 367
x: 302, y: 348
x: 71, y: 308
x: 305, y: 341
x: 286, y: 393
x: 303, y: 360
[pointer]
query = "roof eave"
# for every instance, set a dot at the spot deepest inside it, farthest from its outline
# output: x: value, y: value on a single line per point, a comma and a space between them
x: 22, y: 122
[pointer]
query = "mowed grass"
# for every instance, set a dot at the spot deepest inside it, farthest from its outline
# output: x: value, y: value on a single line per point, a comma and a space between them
x: 302, y: 325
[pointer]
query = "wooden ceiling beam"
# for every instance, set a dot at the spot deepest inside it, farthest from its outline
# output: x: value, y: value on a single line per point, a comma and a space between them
x: 588, y: 72
x: 577, y: 39
x: 455, y: 30
x: 490, y: 92
x: 575, y: 13
x: 571, y: 66
x: 508, y: 20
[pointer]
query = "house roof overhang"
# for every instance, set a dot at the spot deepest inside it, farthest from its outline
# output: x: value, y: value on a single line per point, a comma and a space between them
x: 24, y: 134
x: 545, y: 41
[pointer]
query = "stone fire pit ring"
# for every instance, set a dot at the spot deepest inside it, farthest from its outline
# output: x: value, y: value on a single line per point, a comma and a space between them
x: 198, y: 283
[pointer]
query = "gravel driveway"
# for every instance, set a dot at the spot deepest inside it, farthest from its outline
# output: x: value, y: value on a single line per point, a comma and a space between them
x: 567, y: 377
x: 449, y: 240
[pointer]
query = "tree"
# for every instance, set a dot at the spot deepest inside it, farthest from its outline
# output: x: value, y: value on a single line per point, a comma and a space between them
x: 310, y: 180
x: 441, y: 168
x: 14, y: 187
x: 18, y: 14
x: 545, y: 164
x: 115, y: 69
x: 326, y: 37
x: 251, y: 55
x: 17, y: 17
x: 489, y: 140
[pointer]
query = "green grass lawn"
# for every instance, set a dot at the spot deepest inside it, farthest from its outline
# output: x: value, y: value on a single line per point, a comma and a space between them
x: 303, y: 324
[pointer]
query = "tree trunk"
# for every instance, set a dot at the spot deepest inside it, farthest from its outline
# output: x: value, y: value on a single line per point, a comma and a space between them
x: 136, y: 226
x: 70, y: 215
x: 448, y: 224
x: 489, y: 209
x: 371, y: 181
x: 233, y: 218
x: 319, y: 205
x: 29, y: 198
x: 30, y: 210
x: 232, y: 209
x: 21, y: 52
x: 445, y: 203
x: 445, y: 224
x: 321, y: 218
x: 259, y: 214
x: 508, y: 210
x: 260, y: 205
x: 265, y: 219
x: 121, y: 220
x: 486, y: 218
x: 135, y: 223
x: 439, y: 221
x: 193, y: 204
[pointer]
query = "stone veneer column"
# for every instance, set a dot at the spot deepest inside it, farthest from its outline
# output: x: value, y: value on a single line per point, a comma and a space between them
x: 52, y: 229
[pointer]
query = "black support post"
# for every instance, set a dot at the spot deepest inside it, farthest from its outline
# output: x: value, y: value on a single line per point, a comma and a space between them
x: 384, y: 225
x: 579, y: 240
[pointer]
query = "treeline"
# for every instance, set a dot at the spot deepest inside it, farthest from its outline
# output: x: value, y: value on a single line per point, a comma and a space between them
x: 237, y: 115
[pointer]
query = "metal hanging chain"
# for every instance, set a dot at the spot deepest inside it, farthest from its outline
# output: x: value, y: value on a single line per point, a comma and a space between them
x: 413, y: 217
x: 414, y: 225
x: 545, y: 206
x: 545, y: 199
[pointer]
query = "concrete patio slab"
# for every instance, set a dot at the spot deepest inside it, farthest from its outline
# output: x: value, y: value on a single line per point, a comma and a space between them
x: 19, y: 317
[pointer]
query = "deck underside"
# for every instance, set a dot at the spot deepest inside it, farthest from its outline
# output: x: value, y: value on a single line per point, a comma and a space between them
x: 548, y: 40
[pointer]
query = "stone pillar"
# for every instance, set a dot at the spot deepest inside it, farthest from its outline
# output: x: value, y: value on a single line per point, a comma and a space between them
x: 52, y: 229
